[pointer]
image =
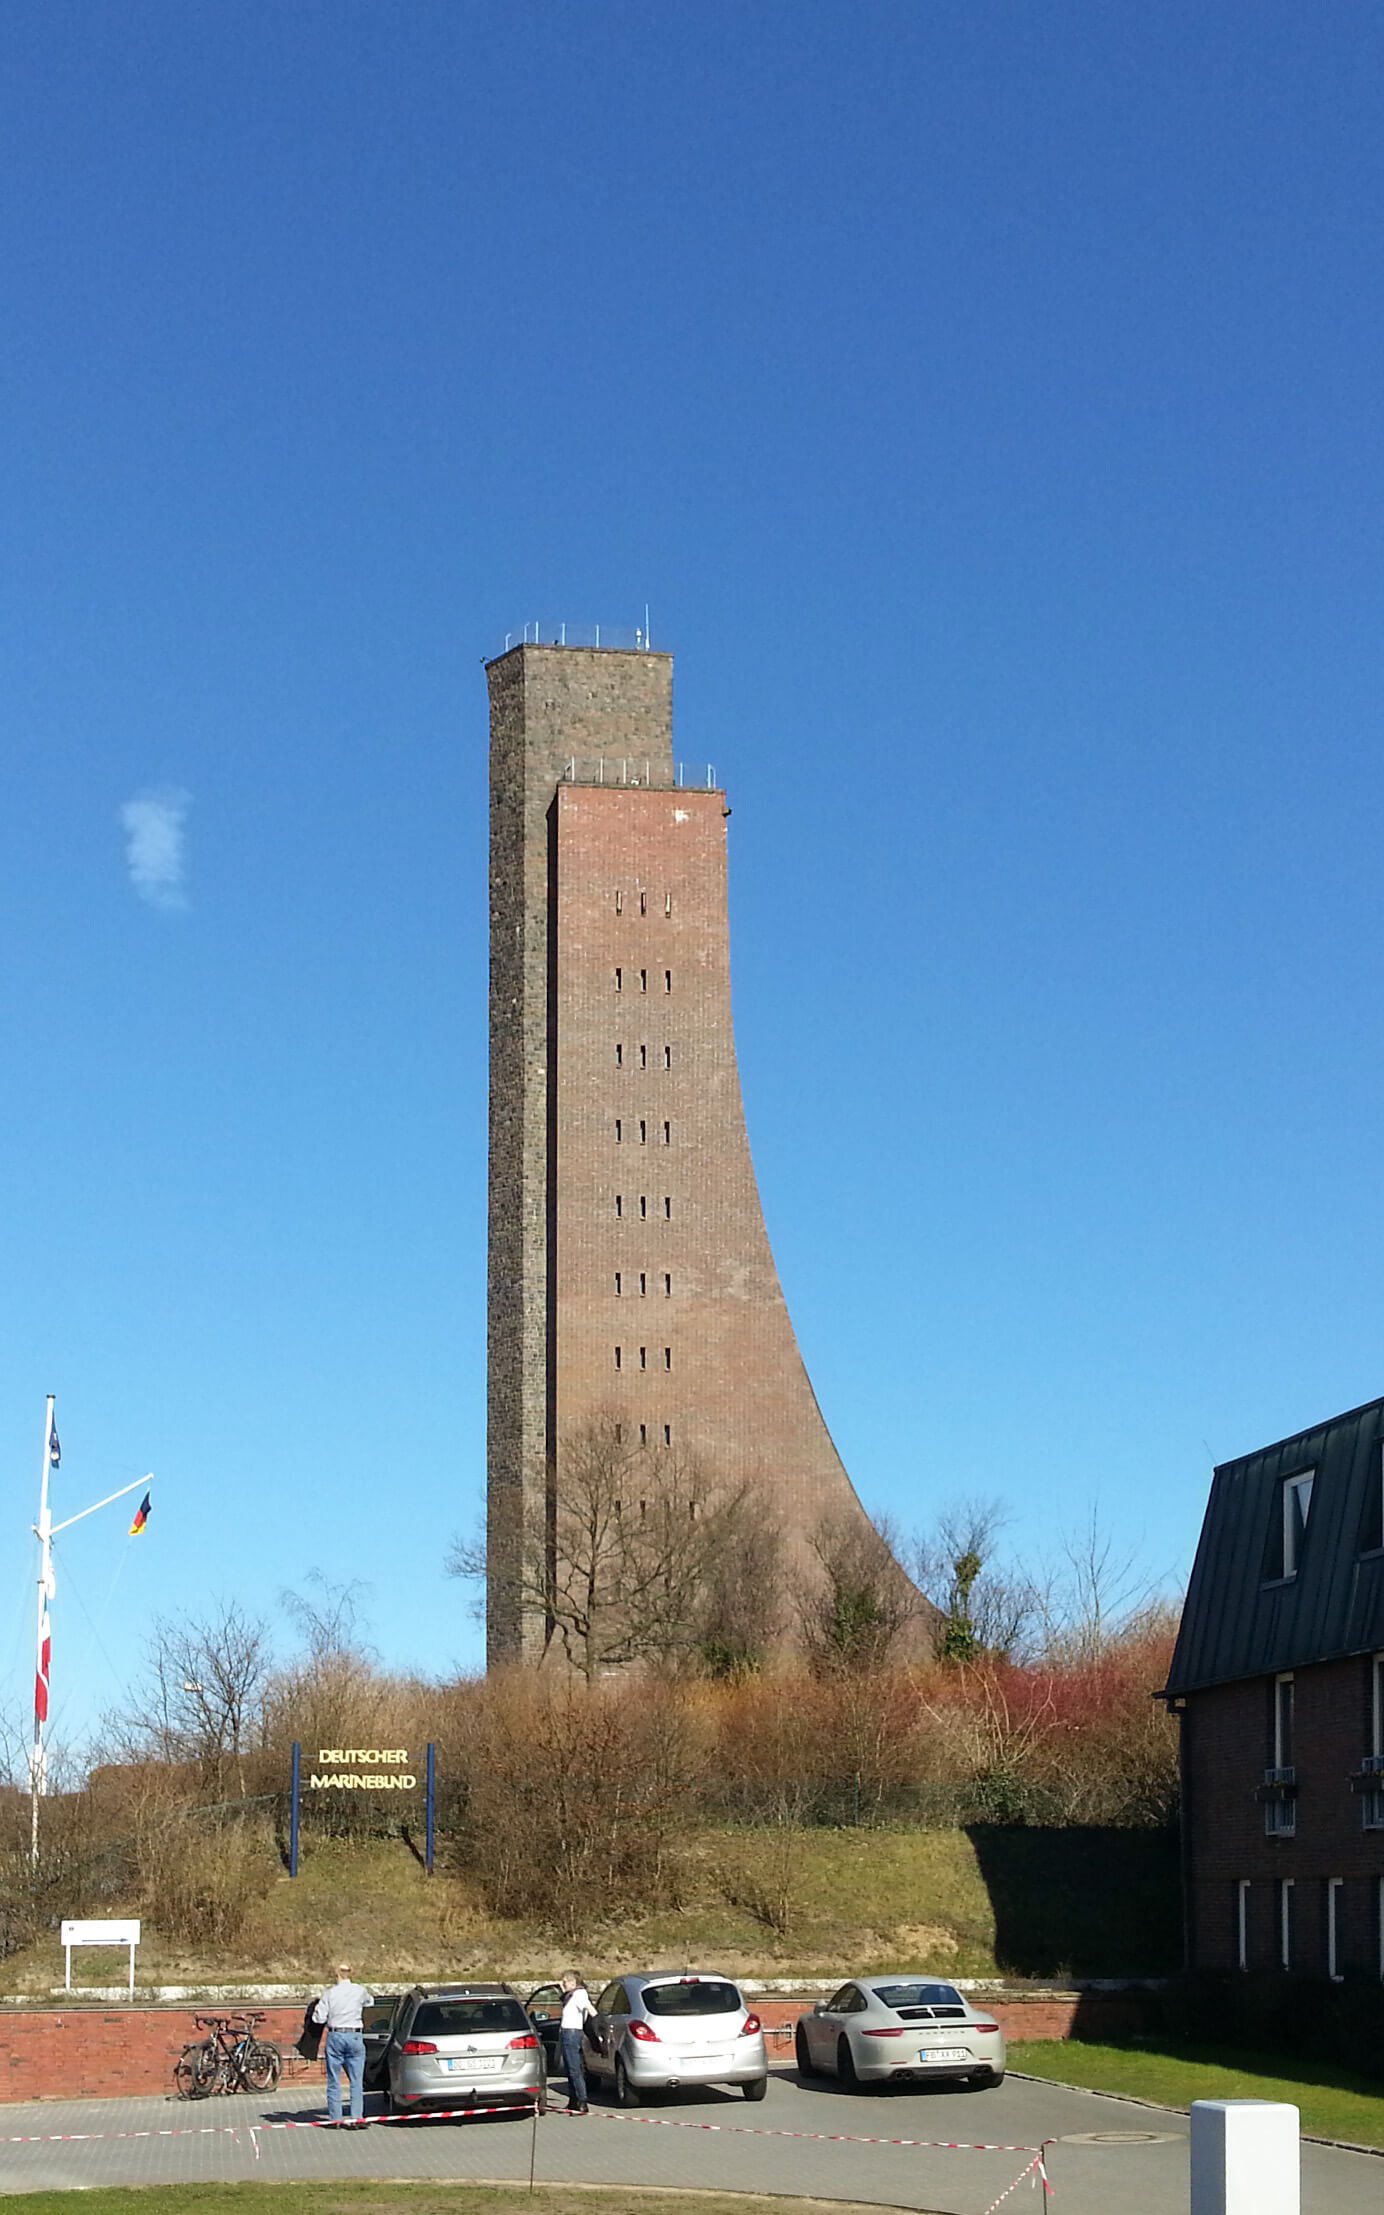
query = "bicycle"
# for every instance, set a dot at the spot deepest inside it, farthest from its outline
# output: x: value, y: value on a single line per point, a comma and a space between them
x: 230, y: 2059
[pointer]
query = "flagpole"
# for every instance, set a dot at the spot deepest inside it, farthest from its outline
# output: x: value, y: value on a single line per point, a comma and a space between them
x: 38, y: 1767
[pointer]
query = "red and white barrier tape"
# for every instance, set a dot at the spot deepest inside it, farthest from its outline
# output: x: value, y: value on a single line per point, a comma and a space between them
x: 818, y: 2137
x: 1036, y: 2168
x: 211, y: 2130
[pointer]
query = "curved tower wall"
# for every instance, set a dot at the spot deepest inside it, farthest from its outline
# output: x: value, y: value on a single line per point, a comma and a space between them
x: 629, y: 1263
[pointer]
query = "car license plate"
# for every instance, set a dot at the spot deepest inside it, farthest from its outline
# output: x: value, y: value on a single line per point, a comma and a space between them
x: 945, y: 2053
x: 468, y: 2068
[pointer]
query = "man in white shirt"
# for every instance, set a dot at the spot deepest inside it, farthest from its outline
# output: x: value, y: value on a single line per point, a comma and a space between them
x: 340, y: 2008
x: 576, y: 2006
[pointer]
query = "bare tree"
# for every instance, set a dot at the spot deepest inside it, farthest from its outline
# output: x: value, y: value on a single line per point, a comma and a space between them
x: 1100, y: 1592
x: 637, y: 1553
x: 329, y: 1621
x: 204, y: 1692
x: 986, y: 1608
x: 857, y: 1600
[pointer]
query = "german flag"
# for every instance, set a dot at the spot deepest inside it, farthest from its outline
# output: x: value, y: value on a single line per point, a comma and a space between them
x: 141, y: 1517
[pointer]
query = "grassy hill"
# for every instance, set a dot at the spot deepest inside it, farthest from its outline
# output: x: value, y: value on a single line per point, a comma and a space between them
x: 787, y: 1903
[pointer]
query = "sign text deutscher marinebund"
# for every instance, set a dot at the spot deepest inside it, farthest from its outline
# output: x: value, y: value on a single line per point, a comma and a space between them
x: 345, y: 1764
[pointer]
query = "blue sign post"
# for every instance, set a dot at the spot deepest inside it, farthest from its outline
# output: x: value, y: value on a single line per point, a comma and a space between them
x: 293, y: 1812
x: 428, y: 1836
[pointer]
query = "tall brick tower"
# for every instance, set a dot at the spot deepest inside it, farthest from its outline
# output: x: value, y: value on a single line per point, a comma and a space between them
x: 629, y: 1263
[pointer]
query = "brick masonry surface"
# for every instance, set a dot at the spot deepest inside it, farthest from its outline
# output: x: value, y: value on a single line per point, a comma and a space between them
x: 76, y: 2052
x: 1227, y: 1743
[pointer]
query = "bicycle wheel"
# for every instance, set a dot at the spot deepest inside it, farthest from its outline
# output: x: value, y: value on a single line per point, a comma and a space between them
x: 196, y: 2071
x: 262, y: 2064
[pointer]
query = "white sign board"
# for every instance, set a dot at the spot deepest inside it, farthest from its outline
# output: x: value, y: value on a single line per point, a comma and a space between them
x: 98, y: 1934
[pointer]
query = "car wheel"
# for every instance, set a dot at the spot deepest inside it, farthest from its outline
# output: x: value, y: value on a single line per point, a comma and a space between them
x: 986, y: 2080
x: 845, y: 2066
x: 626, y: 2094
x: 756, y: 2088
x: 802, y: 2053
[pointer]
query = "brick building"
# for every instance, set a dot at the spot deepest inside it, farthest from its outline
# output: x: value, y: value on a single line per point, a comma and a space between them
x: 1278, y: 1678
x: 629, y: 1265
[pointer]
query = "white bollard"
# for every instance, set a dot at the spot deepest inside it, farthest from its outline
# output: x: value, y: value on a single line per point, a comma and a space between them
x: 1245, y: 2157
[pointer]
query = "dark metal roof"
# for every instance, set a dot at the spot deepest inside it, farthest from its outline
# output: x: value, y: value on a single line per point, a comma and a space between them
x: 1243, y: 1620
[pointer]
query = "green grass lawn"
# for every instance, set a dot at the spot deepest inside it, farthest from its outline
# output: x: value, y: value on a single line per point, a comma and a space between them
x: 958, y: 1903
x: 423, y: 2197
x: 1333, y: 2103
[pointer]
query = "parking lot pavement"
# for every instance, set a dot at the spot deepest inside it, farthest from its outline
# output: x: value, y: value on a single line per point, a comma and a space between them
x: 1142, y: 2172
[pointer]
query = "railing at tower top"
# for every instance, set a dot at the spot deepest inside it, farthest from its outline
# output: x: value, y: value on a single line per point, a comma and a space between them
x: 608, y: 637
x: 620, y: 769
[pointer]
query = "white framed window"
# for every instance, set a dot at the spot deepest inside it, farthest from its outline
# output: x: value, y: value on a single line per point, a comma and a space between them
x: 1372, y: 1802
x: 1283, y: 1720
x: 1242, y: 1924
x: 1372, y: 1522
x: 1333, y: 1927
x: 1280, y: 1807
x: 1297, y: 1506
x: 1285, y: 1922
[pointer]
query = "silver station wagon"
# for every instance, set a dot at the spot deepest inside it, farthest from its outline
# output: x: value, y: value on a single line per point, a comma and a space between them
x: 876, y: 2030
x: 657, y: 2030
x: 463, y: 2045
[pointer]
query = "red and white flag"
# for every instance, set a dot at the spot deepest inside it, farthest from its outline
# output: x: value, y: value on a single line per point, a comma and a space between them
x: 41, y: 1675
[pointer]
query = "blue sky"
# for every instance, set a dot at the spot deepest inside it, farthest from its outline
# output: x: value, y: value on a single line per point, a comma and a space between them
x: 986, y: 400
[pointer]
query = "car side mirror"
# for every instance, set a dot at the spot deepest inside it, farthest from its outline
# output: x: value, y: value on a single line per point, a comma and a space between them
x: 820, y: 2008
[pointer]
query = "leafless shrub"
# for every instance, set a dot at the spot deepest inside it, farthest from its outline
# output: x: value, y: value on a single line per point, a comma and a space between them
x: 574, y: 1796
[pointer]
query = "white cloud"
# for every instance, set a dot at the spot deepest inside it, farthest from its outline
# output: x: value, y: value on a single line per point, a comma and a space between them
x: 153, y: 824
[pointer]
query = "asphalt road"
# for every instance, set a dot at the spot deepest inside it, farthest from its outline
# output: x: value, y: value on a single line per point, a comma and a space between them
x: 232, y: 2140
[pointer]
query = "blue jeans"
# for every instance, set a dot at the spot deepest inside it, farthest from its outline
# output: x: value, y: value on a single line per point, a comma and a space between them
x: 345, y: 2049
x: 572, y: 2063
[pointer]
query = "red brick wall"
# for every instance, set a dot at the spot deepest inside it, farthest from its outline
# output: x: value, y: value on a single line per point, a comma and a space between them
x: 641, y: 900
x: 1227, y: 1745
x: 62, y: 2053
x: 67, y: 2053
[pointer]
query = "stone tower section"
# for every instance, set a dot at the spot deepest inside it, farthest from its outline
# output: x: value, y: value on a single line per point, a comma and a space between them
x: 629, y: 1263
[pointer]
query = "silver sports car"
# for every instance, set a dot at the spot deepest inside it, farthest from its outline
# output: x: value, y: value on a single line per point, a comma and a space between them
x: 876, y: 2030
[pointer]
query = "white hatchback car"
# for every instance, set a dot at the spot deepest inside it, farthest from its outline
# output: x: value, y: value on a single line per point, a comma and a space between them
x: 876, y: 2030
x: 654, y: 2031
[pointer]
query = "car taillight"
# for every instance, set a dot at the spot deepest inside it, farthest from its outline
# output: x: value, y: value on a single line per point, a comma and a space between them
x: 987, y: 2027
x: 528, y: 2042
x: 642, y: 2030
x: 750, y: 2025
x: 419, y: 2045
x: 883, y: 2034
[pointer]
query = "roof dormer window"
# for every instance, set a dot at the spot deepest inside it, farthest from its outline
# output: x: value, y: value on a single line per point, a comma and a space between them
x: 1297, y: 1504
